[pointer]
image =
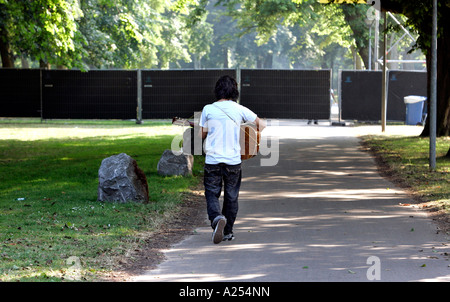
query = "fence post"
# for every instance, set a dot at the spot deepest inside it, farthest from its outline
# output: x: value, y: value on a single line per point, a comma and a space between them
x: 433, y: 89
x: 139, y: 98
x: 384, y: 80
x: 238, y: 80
x: 40, y: 95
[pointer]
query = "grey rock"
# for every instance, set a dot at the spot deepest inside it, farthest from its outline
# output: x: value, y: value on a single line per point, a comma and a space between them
x: 175, y: 163
x: 121, y: 180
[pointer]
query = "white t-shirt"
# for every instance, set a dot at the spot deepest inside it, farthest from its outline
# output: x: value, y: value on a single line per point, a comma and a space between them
x: 222, y: 143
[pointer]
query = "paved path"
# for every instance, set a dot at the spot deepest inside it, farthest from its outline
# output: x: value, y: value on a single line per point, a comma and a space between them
x: 318, y: 215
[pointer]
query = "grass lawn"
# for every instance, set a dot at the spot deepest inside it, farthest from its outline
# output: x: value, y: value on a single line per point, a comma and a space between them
x: 408, y: 160
x: 52, y: 228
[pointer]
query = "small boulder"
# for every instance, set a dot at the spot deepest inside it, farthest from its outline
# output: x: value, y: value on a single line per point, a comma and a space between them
x: 175, y: 163
x: 120, y: 179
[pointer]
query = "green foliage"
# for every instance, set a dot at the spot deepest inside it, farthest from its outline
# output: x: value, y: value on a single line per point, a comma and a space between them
x: 45, y: 30
x: 419, y: 17
x: 147, y: 34
x: 126, y: 34
x: 314, y: 29
x: 200, y: 39
x: 94, y: 33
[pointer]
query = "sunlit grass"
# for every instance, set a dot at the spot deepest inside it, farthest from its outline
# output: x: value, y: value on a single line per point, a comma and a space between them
x: 34, y: 129
x: 408, y: 158
x: 48, y: 196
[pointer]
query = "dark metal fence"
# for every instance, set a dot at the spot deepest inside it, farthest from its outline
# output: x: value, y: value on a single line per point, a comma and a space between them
x: 20, y: 91
x: 361, y: 93
x: 169, y: 93
x: 97, y: 94
x: 297, y: 94
x: 114, y: 94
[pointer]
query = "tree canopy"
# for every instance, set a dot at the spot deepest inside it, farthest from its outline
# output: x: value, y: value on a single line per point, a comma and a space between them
x: 180, y: 33
x: 92, y: 33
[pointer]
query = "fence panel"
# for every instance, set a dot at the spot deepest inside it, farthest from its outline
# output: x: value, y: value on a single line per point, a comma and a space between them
x: 361, y: 93
x: 401, y: 84
x: 97, y: 94
x: 169, y: 93
x: 296, y: 94
x: 20, y: 93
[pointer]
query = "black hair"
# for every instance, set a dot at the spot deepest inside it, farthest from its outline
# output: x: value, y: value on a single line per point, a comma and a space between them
x: 226, y: 88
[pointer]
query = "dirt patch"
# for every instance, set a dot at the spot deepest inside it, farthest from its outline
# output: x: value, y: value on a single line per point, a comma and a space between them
x: 441, y: 218
x: 191, y: 214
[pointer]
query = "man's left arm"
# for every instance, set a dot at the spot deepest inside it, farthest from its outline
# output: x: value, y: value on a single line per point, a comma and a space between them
x: 203, y: 132
x: 260, y: 124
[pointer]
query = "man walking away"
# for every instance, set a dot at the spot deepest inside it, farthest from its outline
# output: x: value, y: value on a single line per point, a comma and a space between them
x: 220, y: 125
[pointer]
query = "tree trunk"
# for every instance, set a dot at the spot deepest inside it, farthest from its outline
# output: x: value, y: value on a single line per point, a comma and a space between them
x: 443, y: 65
x: 5, y: 49
x: 357, y: 64
x: 43, y: 64
x: 354, y: 17
x: 443, y: 85
x: 264, y: 61
x: 225, y: 58
x: 443, y: 62
x: 24, y: 61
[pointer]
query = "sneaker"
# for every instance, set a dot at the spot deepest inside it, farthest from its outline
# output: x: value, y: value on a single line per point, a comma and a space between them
x: 228, y: 237
x: 220, y: 223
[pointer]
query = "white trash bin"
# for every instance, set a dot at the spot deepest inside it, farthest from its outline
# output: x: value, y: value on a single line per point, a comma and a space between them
x: 414, y: 109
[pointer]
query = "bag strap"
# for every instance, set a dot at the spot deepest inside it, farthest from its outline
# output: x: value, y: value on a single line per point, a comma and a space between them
x: 215, y: 105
